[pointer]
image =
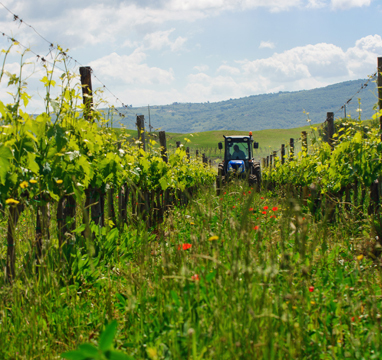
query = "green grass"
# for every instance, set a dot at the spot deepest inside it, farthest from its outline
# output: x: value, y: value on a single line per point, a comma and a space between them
x: 241, y: 291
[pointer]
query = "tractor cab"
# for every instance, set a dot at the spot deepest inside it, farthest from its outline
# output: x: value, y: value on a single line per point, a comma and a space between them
x: 238, y: 153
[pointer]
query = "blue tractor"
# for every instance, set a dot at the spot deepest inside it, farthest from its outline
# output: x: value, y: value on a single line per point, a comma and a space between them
x: 238, y: 161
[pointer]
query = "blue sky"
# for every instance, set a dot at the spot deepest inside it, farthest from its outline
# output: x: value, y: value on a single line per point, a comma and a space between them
x: 159, y: 52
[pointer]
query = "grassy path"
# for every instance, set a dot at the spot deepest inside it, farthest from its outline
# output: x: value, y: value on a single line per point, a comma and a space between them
x: 240, y: 276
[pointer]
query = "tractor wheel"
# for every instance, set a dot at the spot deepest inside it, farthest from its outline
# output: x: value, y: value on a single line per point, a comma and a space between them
x: 220, y: 179
x: 254, y: 178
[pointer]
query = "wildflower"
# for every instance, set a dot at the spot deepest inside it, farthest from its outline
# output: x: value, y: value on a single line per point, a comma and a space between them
x: 117, y: 197
x: 221, y: 199
x: 352, y: 319
x: 359, y: 257
x: 249, y: 191
x: 192, y: 223
x: 250, y: 209
x: 184, y: 246
x: 59, y: 182
x: 32, y: 181
x: 213, y: 238
x: 24, y: 185
x: 264, y: 212
x: 195, y: 277
x: 275, y: 208
x: 312, y: 302
x: 262, y: 198
x: 310, y: 195
x: 225, y: 193
x: 265, y: 207
x: 256, y: 227
x: 12, y: 201
x: 244, y: 193
x: 303, y: 218
x: 311, y: 288
x: 234, y: 206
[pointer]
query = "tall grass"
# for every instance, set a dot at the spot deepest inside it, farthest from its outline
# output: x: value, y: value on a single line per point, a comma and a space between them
x: 262, y: 279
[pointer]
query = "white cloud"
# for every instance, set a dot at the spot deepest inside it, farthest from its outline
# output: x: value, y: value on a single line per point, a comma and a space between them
x: 267, y: 45
x: 304, y: 67
x: 130, y: 69
x: 80, y: 23
x: 347, y: 4
x: 160, y: 39
x: 317, y: 4
x: 221, y: 5
x: 201, y: 68
x: 363, y: 56
x: 228, y: 69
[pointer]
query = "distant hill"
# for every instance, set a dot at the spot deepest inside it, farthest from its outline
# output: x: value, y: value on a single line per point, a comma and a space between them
x: 283, y: 110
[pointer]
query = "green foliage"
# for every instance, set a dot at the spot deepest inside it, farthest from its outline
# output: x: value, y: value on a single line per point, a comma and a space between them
x: 355, y: 158
x: 104, y: 351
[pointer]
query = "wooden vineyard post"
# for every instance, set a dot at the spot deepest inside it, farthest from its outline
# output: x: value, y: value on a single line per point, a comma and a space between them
x: 274, y: 158
x: 13, y: 218
x: 379, y: 83
x: 94, y: 197
x: 188, y: 153
x: 86, y: 83
x: 141, y: 131
x: 330, y: 127
x: 163, y: 145
x: 66, y: 209
x: 177, y: 144
x: 291, y: 149
x: 210, y: 163
x: 380, y: 92
x: 282, y: 153
x: 196, y: 154
x: 304, y: 140
x: 268, y: 161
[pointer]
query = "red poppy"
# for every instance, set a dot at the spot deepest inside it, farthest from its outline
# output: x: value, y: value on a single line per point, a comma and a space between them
x: 249, y: 191
x: 303, y: 218
x: 225, y: 193
x: 352, y: 319
x: 117, y: 197
x: 195, y: 277
x: 221, y: 199
x: 265, y: 207
x: 311, y: 288
x: 262, y: 198
x: 184, y: 246
x: 243, y: 193
x: 250, y: 209
x: 264, y: 212
x: 275, y: 208
x: 256, y: 227
x: 234, y: 206
x: 309, y: 194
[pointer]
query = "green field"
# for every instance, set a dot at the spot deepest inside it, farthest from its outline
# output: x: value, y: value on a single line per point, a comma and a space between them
x: 207, y: 142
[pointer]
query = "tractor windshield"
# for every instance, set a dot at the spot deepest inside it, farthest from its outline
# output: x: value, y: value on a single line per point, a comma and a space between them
x: 238, y: 150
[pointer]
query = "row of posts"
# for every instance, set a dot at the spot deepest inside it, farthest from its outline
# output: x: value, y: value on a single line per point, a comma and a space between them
x: 270, y: 160
x: 163, y: 142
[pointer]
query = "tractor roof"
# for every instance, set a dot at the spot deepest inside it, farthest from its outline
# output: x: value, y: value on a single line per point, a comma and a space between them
x: 237, y: 136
